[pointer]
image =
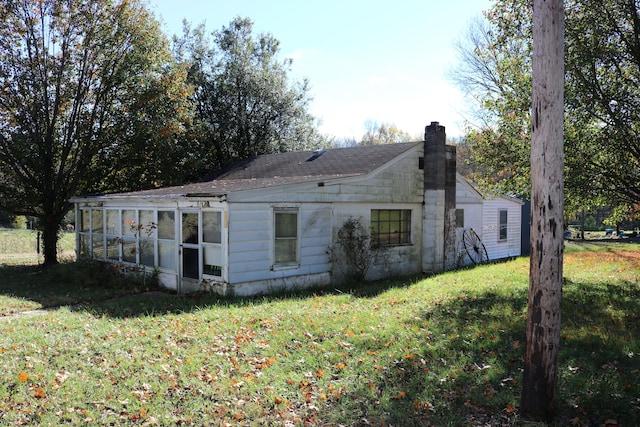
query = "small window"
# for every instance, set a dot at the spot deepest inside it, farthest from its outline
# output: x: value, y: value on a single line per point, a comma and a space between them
x: 460, y: 218
x: 390, y: 227
x: 286, y: 237
x: 503, y: 224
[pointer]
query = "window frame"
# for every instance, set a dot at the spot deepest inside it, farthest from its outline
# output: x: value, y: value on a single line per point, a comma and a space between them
x: 294, y: 261
x: 503, y: 227
x: 212, y: 270
x: 459, y: 218
x: 403, y: 225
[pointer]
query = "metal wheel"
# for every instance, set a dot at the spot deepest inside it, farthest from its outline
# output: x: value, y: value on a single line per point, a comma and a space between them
x: 475, y: 248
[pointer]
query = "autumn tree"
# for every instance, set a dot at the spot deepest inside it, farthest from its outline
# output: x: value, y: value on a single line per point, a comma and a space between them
x: 547, y: 208
x: 74, y: 77
x: 245, y: 101
x: 383, y: 133
x: 602, y: 144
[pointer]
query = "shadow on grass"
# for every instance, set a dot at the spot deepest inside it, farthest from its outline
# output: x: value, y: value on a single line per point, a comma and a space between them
x: 100, y: 289
x: 160, y: 301
x: 469, y: 370
x: 67, y: 284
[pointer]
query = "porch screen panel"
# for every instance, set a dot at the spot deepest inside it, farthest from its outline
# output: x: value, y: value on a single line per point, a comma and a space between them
x: 96, y: 221
x: 85, y: 220
x: 129, y: 230
x: 212, y: 243
x: 190, y: 263
x: 98, y: 246
x: 166, y: 240
x: 113, y: 234
x: 190, y: 228
x: 97, y: 236
x: 146, y: 235
x: 85, y: 233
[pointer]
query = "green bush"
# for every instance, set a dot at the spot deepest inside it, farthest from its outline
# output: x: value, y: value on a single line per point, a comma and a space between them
x: 19, y: 222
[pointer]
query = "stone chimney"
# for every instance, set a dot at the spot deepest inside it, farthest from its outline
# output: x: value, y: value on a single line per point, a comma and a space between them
x: 439, y: 213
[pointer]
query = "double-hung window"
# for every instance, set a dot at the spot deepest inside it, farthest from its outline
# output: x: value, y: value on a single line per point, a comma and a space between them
x: 390, y: 227
x: 285, y: 237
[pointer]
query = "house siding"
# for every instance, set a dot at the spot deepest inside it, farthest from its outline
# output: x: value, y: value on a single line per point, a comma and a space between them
x: 393, y: 260
x: 482, y: 215
x: 250, y: 249
x: 497, y: 248
x: 400, y: 181
x: 322, y: 211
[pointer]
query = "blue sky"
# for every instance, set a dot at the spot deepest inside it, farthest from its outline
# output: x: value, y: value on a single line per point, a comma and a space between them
x: 366, y: 60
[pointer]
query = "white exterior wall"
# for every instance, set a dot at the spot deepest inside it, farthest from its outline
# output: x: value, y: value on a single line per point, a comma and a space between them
x: 250, y: 246
x: 394, y: 260
x: 482, y: 215
x: 322, y: 210
x: 497, y: 249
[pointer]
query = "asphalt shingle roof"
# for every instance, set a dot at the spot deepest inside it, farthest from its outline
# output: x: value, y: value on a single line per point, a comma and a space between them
x: 285, y: 168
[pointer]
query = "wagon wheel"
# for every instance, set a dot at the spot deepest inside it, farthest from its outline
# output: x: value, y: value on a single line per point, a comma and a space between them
x: 474, y: 247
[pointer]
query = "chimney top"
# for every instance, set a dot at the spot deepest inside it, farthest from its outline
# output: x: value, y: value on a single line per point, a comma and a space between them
x: 434, y: 127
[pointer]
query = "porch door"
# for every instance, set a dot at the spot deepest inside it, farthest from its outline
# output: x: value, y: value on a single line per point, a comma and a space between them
x: 190, y: 269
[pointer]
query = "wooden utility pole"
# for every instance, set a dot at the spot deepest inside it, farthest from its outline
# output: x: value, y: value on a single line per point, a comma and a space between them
x: 547, y: 203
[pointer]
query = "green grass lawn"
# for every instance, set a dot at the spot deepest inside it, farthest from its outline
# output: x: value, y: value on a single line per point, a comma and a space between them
x: 443, y: 350
x: 21, y: 246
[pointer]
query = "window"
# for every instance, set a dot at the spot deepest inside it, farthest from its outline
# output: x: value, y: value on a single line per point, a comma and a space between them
x: 286, y: 237
x: 460, y: 218
x: 96, y: 233
x: 390, y: 227
x: 146, y: 235
x: 85, y: 233
x: 503, y: 224
x: 212, y: 243
x: 129, y: 232
x: 166, y: 240
x: 113, y: 234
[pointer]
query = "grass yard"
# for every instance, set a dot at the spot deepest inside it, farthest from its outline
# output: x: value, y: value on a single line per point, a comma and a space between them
x: 444, y: 350
x: 21, y: 246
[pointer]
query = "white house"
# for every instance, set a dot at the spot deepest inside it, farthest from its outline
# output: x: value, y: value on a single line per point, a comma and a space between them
x: 496, y: 221
x: 267, y: 223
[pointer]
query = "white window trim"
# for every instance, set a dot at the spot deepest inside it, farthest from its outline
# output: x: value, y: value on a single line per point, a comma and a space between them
x: 506, y: 238
x: 288, y: 265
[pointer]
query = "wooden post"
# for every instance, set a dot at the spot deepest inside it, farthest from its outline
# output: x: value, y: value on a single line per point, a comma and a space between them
x: 547, y: 203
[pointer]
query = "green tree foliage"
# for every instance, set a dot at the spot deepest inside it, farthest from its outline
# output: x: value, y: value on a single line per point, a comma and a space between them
x: 245, y: 102
x: 602, y: 141
x: 77, y: 81
x: 383, y: 133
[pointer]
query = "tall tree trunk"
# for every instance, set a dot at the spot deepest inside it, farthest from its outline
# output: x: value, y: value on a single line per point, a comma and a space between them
x: 547, y: 160
x: 50, y: 228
